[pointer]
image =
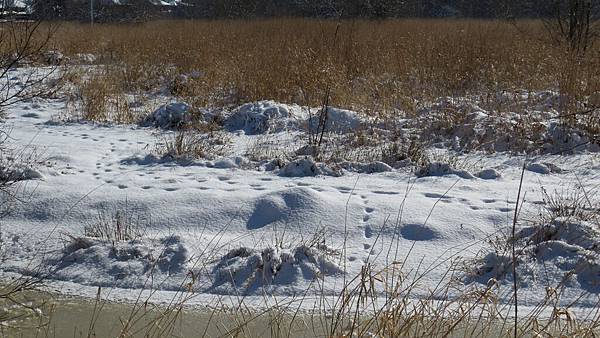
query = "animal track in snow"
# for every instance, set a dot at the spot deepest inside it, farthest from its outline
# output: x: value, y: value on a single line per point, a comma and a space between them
x: 437, y: 196
x: 418, y: 232
x: 368, y: 231
x: 382, y: 192
x: 344, y: 190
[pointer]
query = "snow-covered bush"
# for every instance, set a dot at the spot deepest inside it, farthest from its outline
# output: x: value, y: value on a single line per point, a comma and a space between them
x: 564, y: 249
x: 247, y: 269
x: 336, y: 121
x: 306, y: 166
x: 442, y: 169
x: 264, y: 117
x: 126, y: 264
x: 170, y: 116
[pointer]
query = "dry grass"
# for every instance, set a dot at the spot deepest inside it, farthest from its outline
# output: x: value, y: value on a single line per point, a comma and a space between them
x: 190, y: 143
x: 372, y: 66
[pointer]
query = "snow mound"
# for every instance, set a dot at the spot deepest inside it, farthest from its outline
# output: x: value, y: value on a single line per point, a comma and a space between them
x: 538, y: 168
x: 19, y: 173
x: 264, y: 117
x: 442, y: 169
x: 230, y: 163
x: 561, y: 139
x: 489, y: 174
x: 292, y: 206
x: 367, y: 168
x: 563, y: 250
x: 338, y: 121
x: 248, y: 269
x: 131, y: 264
x: 169, y: 116
x: 306, y: 166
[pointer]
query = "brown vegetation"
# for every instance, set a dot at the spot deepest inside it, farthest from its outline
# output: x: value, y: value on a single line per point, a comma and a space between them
x: 372, y: 66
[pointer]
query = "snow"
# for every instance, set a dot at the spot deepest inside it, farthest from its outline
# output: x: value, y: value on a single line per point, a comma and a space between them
x: 170, y: 116
x: 247, y: 269
x: 129, y: 264
x: 264, y: 117
x: 241, y: 230
x: 300, y: 168
x: 338, y: 120
x: 563, y: 248
x: 538, y: 168
x: 489, y: 174
x: 14, y: 4
x: 441, y: 169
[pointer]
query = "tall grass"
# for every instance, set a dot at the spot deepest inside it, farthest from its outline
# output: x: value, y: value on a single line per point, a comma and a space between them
x: 377, y: 66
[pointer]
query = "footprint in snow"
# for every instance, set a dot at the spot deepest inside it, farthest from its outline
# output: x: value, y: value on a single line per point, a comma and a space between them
x: 344, y: 190
x: 506, y: 210
x: 32, y: 116
x: 418, y: 232
x: 437, y: 196
x: 368, y: 232
x: 381, y: 192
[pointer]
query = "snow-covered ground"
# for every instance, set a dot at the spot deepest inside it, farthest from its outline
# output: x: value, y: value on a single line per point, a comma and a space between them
x: 233, y: 229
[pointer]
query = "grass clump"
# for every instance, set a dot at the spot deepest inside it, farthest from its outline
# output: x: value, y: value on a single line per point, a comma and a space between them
x: 118, y: 226
x: 191, y: 144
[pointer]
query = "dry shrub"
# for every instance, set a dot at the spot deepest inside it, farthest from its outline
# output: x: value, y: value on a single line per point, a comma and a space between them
x: 97, y: 97
x: 118, y: 226
x: 572, y: 202
x: 189, y: 144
